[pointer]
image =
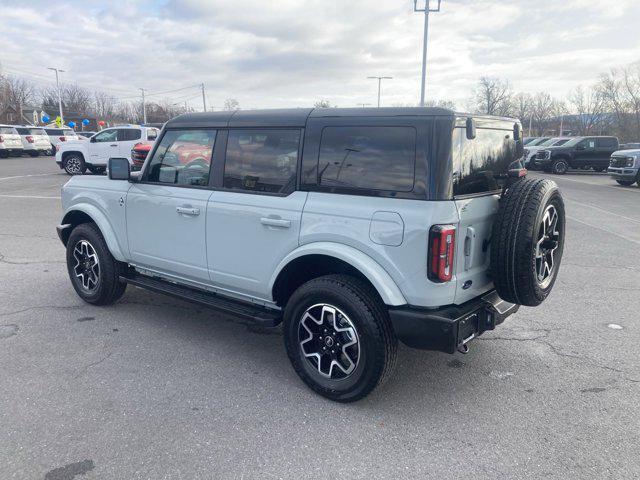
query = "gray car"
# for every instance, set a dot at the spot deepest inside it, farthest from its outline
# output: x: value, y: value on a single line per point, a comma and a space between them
x: 624, y: 167
x: 354, y: 228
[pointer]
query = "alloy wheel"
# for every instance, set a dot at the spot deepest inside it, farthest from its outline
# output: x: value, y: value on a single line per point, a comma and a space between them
x: 73, y: 166
x: 329, y: 341
x: 546, y: 246
x: 87, y: 267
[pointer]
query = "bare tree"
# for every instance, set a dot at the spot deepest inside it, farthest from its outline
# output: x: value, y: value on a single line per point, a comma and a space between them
x: 18, y: 93
x: 77, y: 100
x: 522, y: 107
x: 493, y: 96
x: 543, y: 107
x: 588, y: 106
x: 103, y: 105
x: 231, y: 104
x: 322, y: 103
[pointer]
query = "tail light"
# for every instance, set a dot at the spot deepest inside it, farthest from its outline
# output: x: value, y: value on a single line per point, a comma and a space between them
x: 442, y: 242
x: 29, y: 138
x: 1, y: 139
x: 62, y: 139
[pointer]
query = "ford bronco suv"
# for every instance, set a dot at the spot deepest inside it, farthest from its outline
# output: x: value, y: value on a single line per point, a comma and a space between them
x: 355, y: 228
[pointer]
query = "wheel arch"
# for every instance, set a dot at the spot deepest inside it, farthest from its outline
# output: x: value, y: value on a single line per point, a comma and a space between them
x: 65, y: 154
x: 85, y: 213
x: 324, y: 258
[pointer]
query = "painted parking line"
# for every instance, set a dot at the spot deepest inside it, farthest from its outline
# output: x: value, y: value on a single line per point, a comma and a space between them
x: 31, y: 175
x: 30, y: 196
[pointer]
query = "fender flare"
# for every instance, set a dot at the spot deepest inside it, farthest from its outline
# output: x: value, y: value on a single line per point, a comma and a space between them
x: 372, y: 270
x: 101, y: 220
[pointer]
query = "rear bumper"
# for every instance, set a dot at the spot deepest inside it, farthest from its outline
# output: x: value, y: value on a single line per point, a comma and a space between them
x: 448, y: 328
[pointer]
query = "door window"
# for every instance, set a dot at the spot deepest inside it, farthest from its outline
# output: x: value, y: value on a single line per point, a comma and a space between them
x: 183, y: 158
x: 606, y: 142
x: 588, y: 143
x: 372, y: 158
x: 128, y: 134
x: 262, y: 160
x: 107, y: 136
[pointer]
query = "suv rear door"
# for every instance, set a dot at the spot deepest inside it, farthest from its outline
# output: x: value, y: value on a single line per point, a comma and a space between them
x: 479, y: 168
x: 127, y: 138
x: 253, y: 218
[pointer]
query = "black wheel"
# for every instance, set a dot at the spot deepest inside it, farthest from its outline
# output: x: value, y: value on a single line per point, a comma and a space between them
x: 339, y: 337
x: 527, y: 241
x: 74, y: 164
x: 559, y: 167
x: 625, y: 183
x: 93, y: 271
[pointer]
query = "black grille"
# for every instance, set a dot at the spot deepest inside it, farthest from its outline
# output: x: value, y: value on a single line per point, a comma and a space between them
x: 618, y: 162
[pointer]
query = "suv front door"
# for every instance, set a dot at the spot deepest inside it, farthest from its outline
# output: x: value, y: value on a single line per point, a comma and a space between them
x: 166, y: 211
x: 585, y: 153
x: 103, y: 146
x: 253, y: 221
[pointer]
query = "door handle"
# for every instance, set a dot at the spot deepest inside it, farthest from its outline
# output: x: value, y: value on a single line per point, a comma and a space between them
x: 275, y: 222
x: 194, y: 212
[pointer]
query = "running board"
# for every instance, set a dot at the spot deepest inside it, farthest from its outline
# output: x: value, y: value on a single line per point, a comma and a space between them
x: 256, y: 314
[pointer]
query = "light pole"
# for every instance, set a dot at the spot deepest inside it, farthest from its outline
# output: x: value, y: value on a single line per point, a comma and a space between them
x: 379, y: 85
x: 204, y: 102
x: 144, y: 107
x: 59, y: 93
x: 426, y: 10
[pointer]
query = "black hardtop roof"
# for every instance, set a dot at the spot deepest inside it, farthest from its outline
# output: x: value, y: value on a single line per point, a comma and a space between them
x: 297, y: 117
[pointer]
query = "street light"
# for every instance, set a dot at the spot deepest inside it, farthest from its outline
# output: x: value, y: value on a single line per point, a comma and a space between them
x: 379, y: 84
x: 59, y: 93
x: 427, y: 9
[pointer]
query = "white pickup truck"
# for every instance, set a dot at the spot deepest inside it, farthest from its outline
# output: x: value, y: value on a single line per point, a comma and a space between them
x: 78, y: 156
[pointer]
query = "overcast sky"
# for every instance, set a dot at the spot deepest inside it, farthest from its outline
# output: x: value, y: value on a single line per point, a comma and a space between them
x: 273, y: 53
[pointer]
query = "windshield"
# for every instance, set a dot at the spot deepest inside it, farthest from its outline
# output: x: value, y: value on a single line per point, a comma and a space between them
x: 69, y: 133
x: 36, y: 131
x: 573, y: 141
x: 548, y: 143
x: 539, y: 141
x: 562, y: 141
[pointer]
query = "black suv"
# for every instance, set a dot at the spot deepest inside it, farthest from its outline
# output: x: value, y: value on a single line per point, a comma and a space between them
x: 580, y: 152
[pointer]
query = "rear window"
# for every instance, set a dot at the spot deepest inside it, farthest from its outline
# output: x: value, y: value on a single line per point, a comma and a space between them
x: 372, y: 158
x: 606, y: 142
x: 53, y: 131
x: 481, y: 165
x: 7, y: 130
x: 69, y: 133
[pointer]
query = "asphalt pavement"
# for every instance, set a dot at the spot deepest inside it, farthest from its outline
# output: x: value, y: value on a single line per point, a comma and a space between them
x: 155, y: 388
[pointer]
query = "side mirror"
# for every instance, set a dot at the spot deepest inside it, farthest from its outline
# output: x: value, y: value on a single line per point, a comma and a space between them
x: 517, y: 132
x: 471, y: 128
x: 119, y: 169
x: 581, y: 147
x: 93, y: 139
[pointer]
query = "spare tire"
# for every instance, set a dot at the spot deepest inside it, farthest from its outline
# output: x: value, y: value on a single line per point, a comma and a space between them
x: 527, y: 241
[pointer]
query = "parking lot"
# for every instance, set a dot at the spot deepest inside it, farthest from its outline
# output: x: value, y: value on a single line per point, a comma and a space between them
x: 157, y: 388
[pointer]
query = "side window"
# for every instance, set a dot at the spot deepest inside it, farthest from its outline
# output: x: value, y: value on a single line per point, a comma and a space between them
x: 588, y: 143
x: 129, y: 134
x: 262, y: 160
x: 107, y: 136
x: 606, y: 142
x: 372, y: 158
x: 481, y: 165
x: 152, y: 134
x: 183, y: 158
x: 23, y: 131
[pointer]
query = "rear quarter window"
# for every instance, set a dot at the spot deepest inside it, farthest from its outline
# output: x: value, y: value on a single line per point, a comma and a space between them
x: 368, y: 158
x: 481, y: 165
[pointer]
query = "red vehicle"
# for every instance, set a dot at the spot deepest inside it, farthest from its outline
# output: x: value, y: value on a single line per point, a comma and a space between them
x: 185, y: 152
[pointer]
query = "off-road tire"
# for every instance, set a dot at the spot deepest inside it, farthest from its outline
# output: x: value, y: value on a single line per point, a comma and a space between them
x: 514, y: 241
x: 109, y: 288
x: 366, y: 311
x: 560, y: 167
x: 625, y: 183
x: 74, y: 164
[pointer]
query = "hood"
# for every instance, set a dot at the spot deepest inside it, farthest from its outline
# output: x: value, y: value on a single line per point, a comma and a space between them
x: 626, y: 153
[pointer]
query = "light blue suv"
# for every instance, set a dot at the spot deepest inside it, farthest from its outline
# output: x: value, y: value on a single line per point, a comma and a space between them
x: 355, y: 228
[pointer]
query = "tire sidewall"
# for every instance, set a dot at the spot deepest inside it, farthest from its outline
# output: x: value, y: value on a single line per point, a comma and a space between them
x: 366, y: 371
x: 85, y: 232
x: 557, y: 163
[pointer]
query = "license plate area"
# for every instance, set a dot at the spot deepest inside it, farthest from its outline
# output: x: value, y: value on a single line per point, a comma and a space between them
x: 468, y: 327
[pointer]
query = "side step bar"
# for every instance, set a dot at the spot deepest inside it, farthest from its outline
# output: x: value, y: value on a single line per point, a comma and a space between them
x: 257, y: 314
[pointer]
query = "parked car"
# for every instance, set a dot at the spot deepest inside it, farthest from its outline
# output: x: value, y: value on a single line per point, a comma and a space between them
x: 624, y: 167
x: 35, y: 140
x: 580, y: 152
x: 77, y: 157
x: 528, y: 140
x: 353, y: 227
x: 530, y: 152
x: 139, y: 154
x: 10, y: 142
x: 84, y: 134
x: 538, y: 141
x: 59, y: 135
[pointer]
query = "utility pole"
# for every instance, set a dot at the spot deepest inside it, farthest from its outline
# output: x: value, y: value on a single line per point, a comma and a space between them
x: 379, y: 85
x: 144, y: 107
x: 59, y: 93
x: 426, y: 10
x: 204, y: 101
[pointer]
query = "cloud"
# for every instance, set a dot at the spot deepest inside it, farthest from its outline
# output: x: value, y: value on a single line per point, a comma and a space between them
x: 294, y: 52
